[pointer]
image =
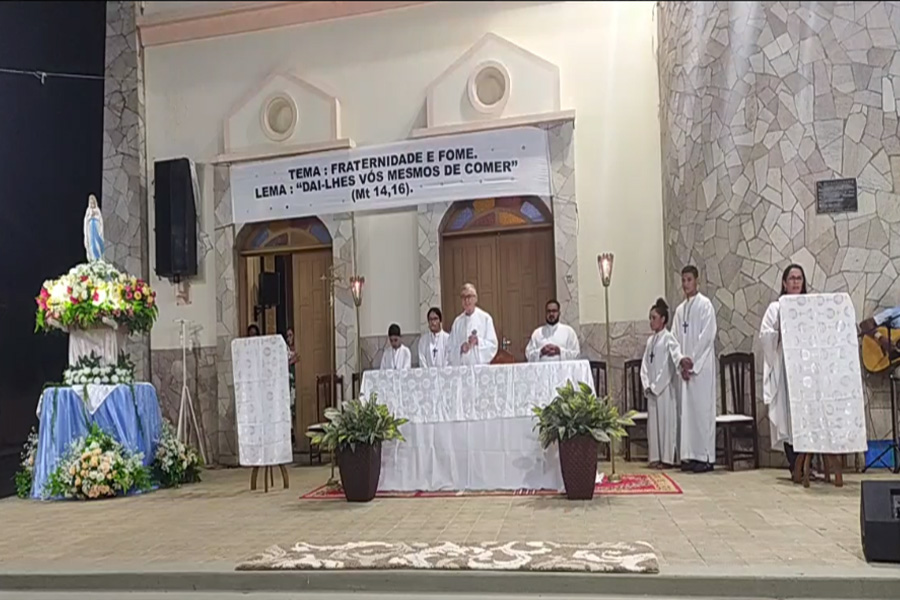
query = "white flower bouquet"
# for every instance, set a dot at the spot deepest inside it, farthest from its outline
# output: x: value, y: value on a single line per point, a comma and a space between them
x: 25, y: 474
x: 175, y: 462
x: 90, y: 370
x: 97, y: 466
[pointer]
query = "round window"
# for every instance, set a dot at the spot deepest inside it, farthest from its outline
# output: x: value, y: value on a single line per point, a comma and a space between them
x: 279, y: 117
x: 489, y: 87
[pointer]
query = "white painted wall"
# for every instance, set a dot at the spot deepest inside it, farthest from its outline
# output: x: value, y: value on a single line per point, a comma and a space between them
x: 379, y: 66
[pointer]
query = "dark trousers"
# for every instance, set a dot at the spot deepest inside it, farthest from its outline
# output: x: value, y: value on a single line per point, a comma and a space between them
x: 791, y: 456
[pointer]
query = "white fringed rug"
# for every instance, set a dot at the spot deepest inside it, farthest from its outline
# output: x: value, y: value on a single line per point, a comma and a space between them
x: 603, y: 557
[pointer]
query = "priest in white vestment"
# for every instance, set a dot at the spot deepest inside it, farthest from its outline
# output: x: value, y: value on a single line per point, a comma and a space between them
x: 396, y: 356
x: 553, y: 340
x: 660, y: 379
x: 694, y: 327
x: 473, y: 340
x: 433, y: 345
x: 775, y: 386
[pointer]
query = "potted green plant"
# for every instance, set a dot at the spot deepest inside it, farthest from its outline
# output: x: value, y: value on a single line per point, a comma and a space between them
x: 577, y: 420
x: 355, y: 433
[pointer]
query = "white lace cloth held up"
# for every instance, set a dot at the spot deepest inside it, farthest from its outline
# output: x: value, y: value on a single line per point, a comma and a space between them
x: 262, y: 400
x: 472, y: 393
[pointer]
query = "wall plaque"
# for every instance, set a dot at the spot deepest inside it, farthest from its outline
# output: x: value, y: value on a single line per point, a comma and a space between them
x: 836, y: 196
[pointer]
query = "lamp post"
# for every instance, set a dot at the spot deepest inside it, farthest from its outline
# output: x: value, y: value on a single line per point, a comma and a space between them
x: 330, y: 279
x: 356, y: 289
x: 605, y: 263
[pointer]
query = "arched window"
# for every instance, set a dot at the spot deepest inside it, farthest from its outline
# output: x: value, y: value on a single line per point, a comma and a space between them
x: 493, y: 213
x: 283, y: 236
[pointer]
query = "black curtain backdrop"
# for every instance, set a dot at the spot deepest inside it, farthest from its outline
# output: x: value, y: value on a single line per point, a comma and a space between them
x: 51, y: 158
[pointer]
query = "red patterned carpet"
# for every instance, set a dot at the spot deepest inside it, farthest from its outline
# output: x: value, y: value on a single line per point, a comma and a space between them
x: 647, y: 484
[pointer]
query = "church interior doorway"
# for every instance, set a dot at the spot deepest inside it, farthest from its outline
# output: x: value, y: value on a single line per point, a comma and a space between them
x: 299, y: 254
x: 505, y: 248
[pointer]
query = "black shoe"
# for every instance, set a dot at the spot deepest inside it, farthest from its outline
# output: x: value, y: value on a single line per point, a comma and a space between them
x: 701, y: 467
x: 688, y: 465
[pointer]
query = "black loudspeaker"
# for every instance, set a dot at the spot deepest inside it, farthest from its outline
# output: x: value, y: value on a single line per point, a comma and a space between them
x: 176, y: 218
x: 879, y: 520
x: 269, y: 289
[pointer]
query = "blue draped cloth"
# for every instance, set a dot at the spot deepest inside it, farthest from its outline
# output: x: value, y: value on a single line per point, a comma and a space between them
x: 133, y: 420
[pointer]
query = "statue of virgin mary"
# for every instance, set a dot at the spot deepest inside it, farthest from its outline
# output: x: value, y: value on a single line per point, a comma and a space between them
x: 93, y: 230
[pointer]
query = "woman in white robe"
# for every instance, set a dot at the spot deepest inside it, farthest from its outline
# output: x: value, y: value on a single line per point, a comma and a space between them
x: 659, y: 377
x: 775, y: 387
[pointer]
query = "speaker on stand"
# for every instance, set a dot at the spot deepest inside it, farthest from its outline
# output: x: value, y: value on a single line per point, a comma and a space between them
x: 269, y: 296
x: 174, y: 200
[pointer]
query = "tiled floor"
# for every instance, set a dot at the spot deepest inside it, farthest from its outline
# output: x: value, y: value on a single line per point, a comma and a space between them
x: 750, y: 518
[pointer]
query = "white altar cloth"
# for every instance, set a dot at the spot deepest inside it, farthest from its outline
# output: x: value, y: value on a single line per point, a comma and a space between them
x: 262, y: 400
x: 821, y: 355
x: 471, y: 428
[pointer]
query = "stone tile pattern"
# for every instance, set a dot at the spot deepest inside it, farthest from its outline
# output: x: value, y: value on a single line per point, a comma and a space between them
x: 201, y: 381
x: 749, y: 518
x: 124, y: 192
x: 227, y: 324
x: 758, y: 101
x: 564, y: 208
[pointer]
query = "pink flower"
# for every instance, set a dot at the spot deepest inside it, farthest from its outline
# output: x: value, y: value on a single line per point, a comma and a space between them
x: 69, y: 290
x: 96, y: 296
x: 84, y: 277
x: 129, y: 295
x: 73, y: 299
x: 117, y: 312
x: 45, y: 293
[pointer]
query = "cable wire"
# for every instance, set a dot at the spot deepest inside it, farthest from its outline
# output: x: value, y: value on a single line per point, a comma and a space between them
x: 43, y: 75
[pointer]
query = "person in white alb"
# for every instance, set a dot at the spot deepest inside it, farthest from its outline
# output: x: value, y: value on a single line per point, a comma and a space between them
x: 694, y: 326
x: 660, y: 379
x: 433, y: 345
x: 396, y: 355
x: 473, y: 339
x: 553, y: 340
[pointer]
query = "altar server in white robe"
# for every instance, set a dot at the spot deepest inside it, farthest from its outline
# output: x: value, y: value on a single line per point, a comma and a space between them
x: 775, y: 387
x: 396, y: 356
x: 660, y: 378
x: 553, y: 340
x: 694, y: 326
x: 473, y: 339
x: 433, y: 345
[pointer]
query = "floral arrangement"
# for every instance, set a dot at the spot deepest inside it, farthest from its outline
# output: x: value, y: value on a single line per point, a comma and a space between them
x: 175, y: 463
x: 89, y: 369
x: 97, y: 466
x: 25, y: 474
x: 94, y: 294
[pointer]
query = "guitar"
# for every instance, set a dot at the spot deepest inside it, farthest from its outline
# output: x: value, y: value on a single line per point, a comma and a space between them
x: 874, y: 358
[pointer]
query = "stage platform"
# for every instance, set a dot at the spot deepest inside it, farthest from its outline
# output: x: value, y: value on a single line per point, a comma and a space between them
x: 743, y: 527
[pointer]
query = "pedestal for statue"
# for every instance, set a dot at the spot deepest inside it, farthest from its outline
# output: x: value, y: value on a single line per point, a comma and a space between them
x: 104, y: 342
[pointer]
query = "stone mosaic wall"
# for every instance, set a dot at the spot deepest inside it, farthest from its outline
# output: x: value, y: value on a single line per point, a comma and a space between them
x: 202, y: 382
x: 758, y: 101
x: 123, y: 197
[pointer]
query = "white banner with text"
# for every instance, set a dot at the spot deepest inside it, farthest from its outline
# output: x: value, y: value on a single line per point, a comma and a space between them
x: 507, y: 162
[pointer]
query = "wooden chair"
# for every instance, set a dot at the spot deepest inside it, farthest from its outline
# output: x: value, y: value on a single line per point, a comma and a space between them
x: 633, y: 392
x: 601, y: 389
x: 355, y: 382
x: 737, y: 380
x: 503, y: 357
x: 599, y: 374
x: 325, y: 398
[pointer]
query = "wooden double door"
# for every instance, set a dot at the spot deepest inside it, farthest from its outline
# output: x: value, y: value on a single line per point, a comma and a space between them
x: 303, y: 307
x: 514, y: 273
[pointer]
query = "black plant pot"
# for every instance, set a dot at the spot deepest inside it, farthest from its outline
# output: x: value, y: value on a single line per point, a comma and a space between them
x: 578, y: 461
x: 360, y: 470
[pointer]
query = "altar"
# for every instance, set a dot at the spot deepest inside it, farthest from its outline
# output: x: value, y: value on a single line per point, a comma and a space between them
x: 130, y: 414
x: 471, y: 428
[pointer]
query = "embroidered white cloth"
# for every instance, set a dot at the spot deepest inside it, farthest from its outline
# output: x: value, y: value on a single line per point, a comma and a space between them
x: 472, y: 393
x: 471, y: 427
x: 821, y: 355
x: 262, y: 400
x: 96, y: 395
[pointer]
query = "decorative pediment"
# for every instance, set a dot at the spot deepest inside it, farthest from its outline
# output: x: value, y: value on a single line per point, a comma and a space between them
x: 494, y: 79
x: 284, y: 110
